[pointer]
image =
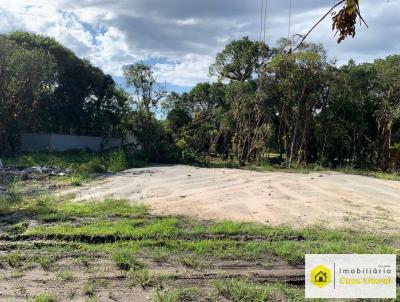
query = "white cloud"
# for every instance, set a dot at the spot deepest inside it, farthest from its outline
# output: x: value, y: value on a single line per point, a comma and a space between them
x: 184, y: 35
x: 191, y: 70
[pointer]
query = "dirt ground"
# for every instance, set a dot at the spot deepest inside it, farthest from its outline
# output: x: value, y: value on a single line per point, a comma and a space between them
x: 328, y: 199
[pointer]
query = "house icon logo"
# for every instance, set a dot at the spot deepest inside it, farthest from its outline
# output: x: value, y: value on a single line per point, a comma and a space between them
x: 320, y: 276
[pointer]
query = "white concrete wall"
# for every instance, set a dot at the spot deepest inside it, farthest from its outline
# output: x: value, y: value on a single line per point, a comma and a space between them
x: 61, y: 142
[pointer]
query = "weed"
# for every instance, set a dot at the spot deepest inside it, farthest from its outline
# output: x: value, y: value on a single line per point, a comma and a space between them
x: 176, y: 295
x: 125, y: 260
x: 65, y: 276
x: 84, y: 260
x: 46, y: 262
x: 88, y: 289
x: 45, y: 297
x: 13, y: 191
x: 159, y: 256
x: 75, y: 180
x: 247, y: 291
x: 143, y: 278
x: 17, y: 274
x: 117, y: 161
x: 15, y: 259
x: 18, y: 228
x: 190, y: 262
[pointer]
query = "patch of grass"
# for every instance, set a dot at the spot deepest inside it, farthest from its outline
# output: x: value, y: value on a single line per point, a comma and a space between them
x: 266, y: 166
x: 18, y: 228
x: 46, y: 262
x: 15, y: 259
x: 159, y: 256
x: 88, y: 289
x: 65, y: 276
x: 84, y: 260
x: 177, y: 295
x: 190, y: 261
x: 121, y: 229
x: 126, y: 260
x: 45, y: 297
x: 13, y: 194
x: 247, y: 291
x: 143, y: 277
x: 60, y: 208
x: 75, y: 180
x: 79, y: 162
x: 108, y: 208
x: 117, y: 161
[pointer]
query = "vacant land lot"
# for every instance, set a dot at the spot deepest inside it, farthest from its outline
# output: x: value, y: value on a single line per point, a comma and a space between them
x: 53, y: 249
x: 327, y: 199
x: 161, y: 236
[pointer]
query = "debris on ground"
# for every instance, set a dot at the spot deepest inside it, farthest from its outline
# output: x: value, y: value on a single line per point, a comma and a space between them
x: 9, y: 174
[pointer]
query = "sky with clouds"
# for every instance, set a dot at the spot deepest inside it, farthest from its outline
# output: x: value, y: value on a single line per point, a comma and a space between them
x: 181, y: 37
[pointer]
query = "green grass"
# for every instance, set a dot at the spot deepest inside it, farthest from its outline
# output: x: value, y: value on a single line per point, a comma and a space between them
x: 45, y: 297
x: 65, y: 276
x: 88, y: 289
x: 265, y: 166
x: 46, y: 262
x: 15, y: 259
x: 118, y: 221
x: 50, y: 208
x: 132, y: 238
x: 177, y: 295
x: 121, y: 229
x: 143, y: 277
x: 126, y: 260
x: 247, y: 291
x: 79, y: 163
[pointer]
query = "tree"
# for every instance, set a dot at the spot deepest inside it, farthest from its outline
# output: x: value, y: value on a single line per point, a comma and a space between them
x: 148, y: 94
x: 297, y: 85
x: 240, y: 60
x: 250, y: 119
x: 80, y: 93
x: 26, y: 76
x: 387, y: 98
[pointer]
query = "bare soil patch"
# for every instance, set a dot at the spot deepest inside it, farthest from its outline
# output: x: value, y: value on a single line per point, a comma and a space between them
x: 328, y: 199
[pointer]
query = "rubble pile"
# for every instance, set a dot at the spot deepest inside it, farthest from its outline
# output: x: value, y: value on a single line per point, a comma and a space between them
x: 9, y: 174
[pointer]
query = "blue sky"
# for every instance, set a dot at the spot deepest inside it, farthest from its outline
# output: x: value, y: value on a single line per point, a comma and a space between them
x: 181, y: 37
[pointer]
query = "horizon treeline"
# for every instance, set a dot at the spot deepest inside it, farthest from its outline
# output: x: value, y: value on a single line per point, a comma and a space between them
x: 300, y: 107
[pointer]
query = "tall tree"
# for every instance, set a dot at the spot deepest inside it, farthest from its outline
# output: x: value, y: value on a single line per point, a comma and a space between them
x: 240, y: 60
x: 387, y: 98
x: 148, y: 94
x: 26, y: 76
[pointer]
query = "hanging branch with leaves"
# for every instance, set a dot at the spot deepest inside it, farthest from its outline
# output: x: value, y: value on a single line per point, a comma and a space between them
x: 343, y: 22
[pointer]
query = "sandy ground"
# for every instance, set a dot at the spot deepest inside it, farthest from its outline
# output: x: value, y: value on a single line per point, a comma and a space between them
x: 328, y: 199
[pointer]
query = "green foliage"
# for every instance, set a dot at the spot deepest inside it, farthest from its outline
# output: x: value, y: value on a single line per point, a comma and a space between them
x: 299, y: 106
x: 80, y: 164
x: 117, y: 161
x: 177, y: 295
x: 18, y: 100
x: 45, y: 297
x: 166, y: 237
x: 143, y: 277
x: 240, y: 60
x: 15, y: 259
x: 65, y: 276
x: 126, y: 260
x: 247, y: 291
x: 46, y: 262
x: 88, y: 289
